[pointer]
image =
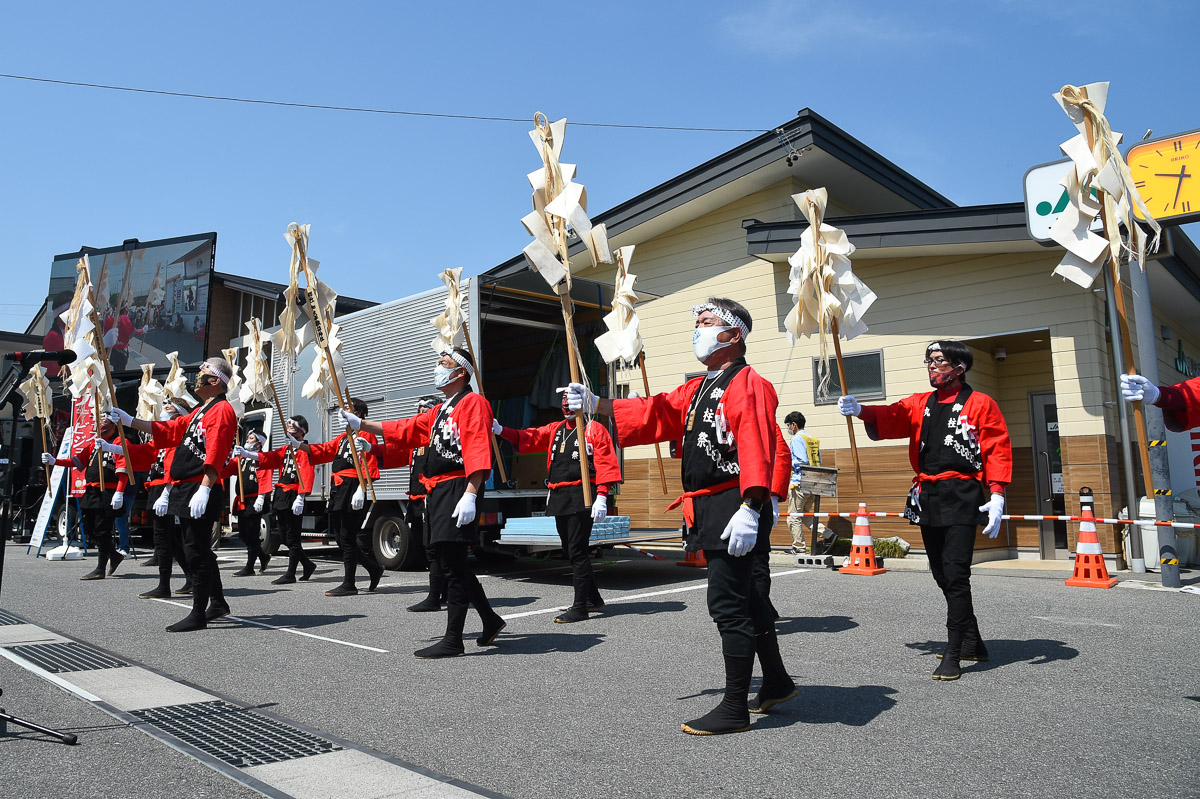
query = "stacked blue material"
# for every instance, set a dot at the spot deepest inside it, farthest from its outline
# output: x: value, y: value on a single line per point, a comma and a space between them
x: 544, y: 527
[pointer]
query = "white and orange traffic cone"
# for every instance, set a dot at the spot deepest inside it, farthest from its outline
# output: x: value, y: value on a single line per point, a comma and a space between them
x: 862, y: 548
x: 1090, y: 571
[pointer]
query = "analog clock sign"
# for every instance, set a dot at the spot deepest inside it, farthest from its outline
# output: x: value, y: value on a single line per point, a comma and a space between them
x: 1167, y: 175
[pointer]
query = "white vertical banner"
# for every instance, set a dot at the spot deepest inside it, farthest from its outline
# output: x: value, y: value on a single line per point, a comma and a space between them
x: 58, y: 477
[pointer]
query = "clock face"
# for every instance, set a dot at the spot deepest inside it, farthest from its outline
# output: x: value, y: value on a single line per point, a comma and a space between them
x: 1167, y: 175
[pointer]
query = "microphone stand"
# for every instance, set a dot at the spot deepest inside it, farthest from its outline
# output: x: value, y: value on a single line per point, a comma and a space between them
x: 9, y: 396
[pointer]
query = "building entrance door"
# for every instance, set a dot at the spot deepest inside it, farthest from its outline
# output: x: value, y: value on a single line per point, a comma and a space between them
x: 1048, y: 475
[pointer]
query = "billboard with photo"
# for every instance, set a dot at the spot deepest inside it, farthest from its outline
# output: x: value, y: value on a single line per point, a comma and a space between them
x: 152, y: 298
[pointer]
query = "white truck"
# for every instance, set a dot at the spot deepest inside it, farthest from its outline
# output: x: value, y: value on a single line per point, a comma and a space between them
x: 516, y: 327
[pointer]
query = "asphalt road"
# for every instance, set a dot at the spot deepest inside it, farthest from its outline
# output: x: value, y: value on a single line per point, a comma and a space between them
x: 1089, y: 693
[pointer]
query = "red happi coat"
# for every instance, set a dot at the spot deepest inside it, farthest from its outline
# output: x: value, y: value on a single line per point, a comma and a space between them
x: 467, y: 425
x: 567, y: 495
x: 1180, y: 405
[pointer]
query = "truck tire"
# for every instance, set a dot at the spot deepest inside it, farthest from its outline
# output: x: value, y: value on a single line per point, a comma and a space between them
x: 269, y: 541
x: 393, y: 544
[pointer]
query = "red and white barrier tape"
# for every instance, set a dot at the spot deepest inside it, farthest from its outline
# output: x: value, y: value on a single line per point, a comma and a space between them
x: 1013, y: 517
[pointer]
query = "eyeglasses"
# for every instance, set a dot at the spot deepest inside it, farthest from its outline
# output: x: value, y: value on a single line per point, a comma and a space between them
x: 939, y: 362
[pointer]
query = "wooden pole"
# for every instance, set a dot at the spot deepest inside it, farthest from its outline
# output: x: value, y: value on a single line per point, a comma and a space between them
x: 1118, y: 298
x: 45, y: 448
x: 564, y: 295
x: 662, y: 474
x: 112, y: 390
x: 841, y: 367
x: 479, y: 379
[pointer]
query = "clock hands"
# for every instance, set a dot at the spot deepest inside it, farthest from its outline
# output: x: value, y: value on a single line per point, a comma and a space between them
x: 1181, y: 174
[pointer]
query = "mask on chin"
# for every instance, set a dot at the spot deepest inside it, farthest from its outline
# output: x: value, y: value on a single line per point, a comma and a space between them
x: 443, y: 376
x: 704, y: 341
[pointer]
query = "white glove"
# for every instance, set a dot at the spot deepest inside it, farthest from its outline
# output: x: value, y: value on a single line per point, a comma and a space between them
x: 118, y: 500
x: 1135, y: 388
x: 579, y: 397
x: 464, y: 511
x: 199, y: 501
x: 350, y: 420
x: 363, y: 444
x: 775, y: 509
x: 848, y: 406
x: 295, y: 442
x: 258, y: 503
x: 119, y: 417
x: 48, y: 459
x: 160, y: 504
x: 599, y: 508
x: 741, y: 532
x: 994, y: 508
x: 298, y: 505
x: 246, y: 454
x: 497, y: 428
x: 356, y: 501
x: 111, y: 447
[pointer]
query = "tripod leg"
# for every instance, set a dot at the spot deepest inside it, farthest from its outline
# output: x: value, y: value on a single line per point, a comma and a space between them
x: 5, y: 719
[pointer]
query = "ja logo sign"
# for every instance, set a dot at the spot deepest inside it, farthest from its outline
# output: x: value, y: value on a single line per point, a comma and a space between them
x: 1045, y: 198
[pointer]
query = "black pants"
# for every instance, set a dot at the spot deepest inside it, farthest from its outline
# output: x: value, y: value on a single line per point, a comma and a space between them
x: 462, y: 589
x: 168, y: 546
x: 291, y: 524
x: 734, y: 602
x: 761, y: 569
x: 355, y: 543
x: 250, y: 531
x: 206, y: 579
x: 98, y: 531
x: 950, y: 550
x: 575, y: 531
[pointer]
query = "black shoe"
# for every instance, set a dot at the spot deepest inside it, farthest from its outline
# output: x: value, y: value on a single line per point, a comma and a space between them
x: 192, y: 621
x: 263, y: 560
x: 342, y: 590
x: 442, y: 649
x: 721, y: 720
x: 948, y: 669
x: 571, y: 616
x: 375, y: 578
x: 158, y: 592
x: 426, y: 605
x: 971, y: 650
x: 245, y: 571
x: 186, y: 588
x: 309, y: 568
x: 151, y: 562
x: 114, y: 560
x: 595, y: 604
x: 284, y: 579
x: 216, y: 611
x: 490, y: 631
x: 768, y: 698
x: 95, y: 574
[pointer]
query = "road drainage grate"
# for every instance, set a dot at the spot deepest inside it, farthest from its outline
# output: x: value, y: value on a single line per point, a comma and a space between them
x: 71, y: 656
x: 7, y: 619
x: 235, y: 735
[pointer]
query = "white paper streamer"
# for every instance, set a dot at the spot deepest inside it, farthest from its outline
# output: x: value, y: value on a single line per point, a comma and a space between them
x: 623, y: 340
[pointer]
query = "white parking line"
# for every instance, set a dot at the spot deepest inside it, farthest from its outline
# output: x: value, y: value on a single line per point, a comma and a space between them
x: 694, y: 587
x: 283, y: 629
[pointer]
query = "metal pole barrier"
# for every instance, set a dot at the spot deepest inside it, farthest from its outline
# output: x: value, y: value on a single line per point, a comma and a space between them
x: 1131, y: 493
x: 1156, y: 429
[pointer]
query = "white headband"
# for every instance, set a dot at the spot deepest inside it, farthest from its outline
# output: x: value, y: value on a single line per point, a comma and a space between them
x: 725, y: 315
x: 461, y: 361
x: 213, y: 371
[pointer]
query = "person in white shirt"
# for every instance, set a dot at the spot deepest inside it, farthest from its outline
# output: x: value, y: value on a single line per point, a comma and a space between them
x: 806, y: 451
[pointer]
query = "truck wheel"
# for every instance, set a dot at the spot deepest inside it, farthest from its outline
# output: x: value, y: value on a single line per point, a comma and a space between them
x: 269, y: 542
x: 392, y: 542
x: 60, y: 524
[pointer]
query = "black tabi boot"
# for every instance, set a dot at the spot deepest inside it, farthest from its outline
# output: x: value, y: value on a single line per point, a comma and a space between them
x: 972, y: 645
x: 492, y: 623
x: 186, y: 588
x: 949, y: 668
x: 375, y: 576
x: 101, y: 567
x: 151, y: 562
x: 197, y: 619
x: 309, y: 568
x: 288, y: 576
x: 732, y: 714
x: 163, y: 589
x: 248, y: 569
x: 578, y: 610
x: 777, y: 686
x: 347, y: 588
x: 114, y: 560
x: 451, y: 645
x: 263, y: 560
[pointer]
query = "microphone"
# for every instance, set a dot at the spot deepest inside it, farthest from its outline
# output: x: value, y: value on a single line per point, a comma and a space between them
x: 61, y: 357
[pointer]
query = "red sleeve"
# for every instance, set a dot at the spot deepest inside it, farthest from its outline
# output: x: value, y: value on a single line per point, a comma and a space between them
x: 265, y: 478
x: 167, y: 461
x: 305, y: 469
x: 604, y: 456
x: 646, y: 420
x: 994, y: 443
x: 169, y: 434
x: 219, y: 434
x: 533, y: 439
x: 411, y: 433
x: 1180, y: 405
x: 473, y: 417
x: 892, y: 421
x: 751, y: 415
x: 87, y: 451
x: 142, y: 455
x: 782, y: 472
x: 393, y: 457
x: 325, y: 451
x: 122, y: 476
x: 368, y: 459
x: 272, y: 458
x: 512, y: 435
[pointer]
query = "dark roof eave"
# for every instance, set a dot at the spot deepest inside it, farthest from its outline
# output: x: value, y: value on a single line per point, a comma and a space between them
x: 271, y: 290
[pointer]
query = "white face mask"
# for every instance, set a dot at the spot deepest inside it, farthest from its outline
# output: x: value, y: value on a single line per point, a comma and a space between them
x: 704, y: 341
x: 443, y: 376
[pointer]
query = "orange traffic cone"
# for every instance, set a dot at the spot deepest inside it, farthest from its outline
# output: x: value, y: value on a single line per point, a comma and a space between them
x: 862, y: 548
x: 1090, y: 571
x: 695, y: 559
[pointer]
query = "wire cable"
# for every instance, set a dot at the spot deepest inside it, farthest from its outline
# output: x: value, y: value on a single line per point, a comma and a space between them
x: 389, y: 111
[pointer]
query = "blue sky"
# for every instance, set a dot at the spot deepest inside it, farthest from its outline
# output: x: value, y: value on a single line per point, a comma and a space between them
x: 957, y: 93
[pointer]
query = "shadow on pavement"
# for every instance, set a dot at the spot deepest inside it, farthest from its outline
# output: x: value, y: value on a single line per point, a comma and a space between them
x: 302, y: 622
x: 815, y: 624
x: 832, y: 704
x: 640, y: 608
x: 511, y: 601
x: 542, y: 643
x: 240, y: 592
x: 1003, y: 651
